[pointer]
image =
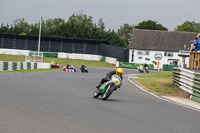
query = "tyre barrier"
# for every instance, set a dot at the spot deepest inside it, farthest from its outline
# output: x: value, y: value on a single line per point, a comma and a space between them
x: 188, y: 81
x: 13, y: 66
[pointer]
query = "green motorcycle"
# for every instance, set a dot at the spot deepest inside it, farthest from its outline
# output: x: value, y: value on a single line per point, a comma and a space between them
x: 106, y: 89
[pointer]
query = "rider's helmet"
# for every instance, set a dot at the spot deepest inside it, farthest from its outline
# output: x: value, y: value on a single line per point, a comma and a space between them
x: 119, y: 71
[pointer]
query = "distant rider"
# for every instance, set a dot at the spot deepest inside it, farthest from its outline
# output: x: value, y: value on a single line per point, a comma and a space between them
x: 119, y: 72
x: 146, y: 66
x: 140, y: 68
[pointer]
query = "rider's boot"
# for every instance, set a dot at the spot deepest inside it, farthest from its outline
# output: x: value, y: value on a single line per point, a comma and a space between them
x: 98, y: 86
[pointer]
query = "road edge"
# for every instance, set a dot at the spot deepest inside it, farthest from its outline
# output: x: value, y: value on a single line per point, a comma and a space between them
x: 162, y: 98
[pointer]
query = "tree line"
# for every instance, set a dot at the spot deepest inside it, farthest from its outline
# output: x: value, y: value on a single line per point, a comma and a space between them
x: 81, y: 26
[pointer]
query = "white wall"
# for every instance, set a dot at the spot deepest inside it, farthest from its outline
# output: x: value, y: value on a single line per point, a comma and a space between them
x: 14, y: 52
x: 151, y: 55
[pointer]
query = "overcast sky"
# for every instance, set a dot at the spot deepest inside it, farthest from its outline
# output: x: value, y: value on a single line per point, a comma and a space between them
x: 114, y: 13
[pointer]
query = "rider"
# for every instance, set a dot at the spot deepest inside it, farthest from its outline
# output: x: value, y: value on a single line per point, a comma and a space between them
x: 119, y: 72
x: 140, y: 68
x: 145, y: 65
x: 82, y: 68
x: 53, y: 63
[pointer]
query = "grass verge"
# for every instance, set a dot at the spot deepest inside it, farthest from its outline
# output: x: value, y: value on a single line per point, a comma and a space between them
x: 88, y: 63
x: 60, y: 61
x: 159, y: 83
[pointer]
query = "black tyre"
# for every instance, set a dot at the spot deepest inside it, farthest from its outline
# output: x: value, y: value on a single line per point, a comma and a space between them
x: 108, y: 92
x: 96, y: 94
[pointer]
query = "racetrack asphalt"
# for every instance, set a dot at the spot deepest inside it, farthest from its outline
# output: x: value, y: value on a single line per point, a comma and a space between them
x: 61, y: 102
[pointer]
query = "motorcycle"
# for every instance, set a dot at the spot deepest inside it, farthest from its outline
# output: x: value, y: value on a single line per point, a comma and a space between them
x: 106, y: 89
x: 146, y: 69
x: 141, y: 70
x: 84, y: 70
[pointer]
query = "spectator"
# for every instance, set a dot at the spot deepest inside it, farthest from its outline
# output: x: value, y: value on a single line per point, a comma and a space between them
x: 192, y: 47
x: 198, y: 42
x: 195, y: 42
x: 157, y: 65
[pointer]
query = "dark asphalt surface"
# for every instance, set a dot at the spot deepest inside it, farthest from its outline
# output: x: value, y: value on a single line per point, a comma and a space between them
x: 59, y: 102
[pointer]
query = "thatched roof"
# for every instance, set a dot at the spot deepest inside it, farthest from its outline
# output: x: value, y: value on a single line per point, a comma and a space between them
x: 160, y: 40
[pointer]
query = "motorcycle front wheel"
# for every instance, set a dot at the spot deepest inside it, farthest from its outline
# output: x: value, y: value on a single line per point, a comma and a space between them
x: 108, y: 92
x: 96, y: 94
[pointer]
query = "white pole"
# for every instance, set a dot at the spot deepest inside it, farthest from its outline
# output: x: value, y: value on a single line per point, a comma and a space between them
x: 39, y: 37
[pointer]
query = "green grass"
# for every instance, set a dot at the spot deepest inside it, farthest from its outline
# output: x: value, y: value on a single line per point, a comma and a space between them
x: 60, y: 61
x: 12, y: 58
x: 64, y: 62
x: 162, y: 85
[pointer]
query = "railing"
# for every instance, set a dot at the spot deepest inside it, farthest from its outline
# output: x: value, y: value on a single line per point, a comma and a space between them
x: 188, y: 81
x: 194, y: 60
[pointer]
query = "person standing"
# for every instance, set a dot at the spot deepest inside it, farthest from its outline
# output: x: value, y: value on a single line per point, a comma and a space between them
x: 157, y: 65
x: 198, y: 43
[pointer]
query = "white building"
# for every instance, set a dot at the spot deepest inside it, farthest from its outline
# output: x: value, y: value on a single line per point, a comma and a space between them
x: 151, y: 46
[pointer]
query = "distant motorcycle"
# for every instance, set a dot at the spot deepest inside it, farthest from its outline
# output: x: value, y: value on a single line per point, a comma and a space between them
x: 107, y: 88
x: 147, y: 69
x: 84, y: 69
x: 141, y: 70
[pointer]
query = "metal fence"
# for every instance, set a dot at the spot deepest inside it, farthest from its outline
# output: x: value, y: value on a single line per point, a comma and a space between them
x: 50, y: 44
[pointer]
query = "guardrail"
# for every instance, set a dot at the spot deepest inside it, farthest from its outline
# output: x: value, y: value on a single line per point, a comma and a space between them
x: 188, y: 81
x: 13, y: 66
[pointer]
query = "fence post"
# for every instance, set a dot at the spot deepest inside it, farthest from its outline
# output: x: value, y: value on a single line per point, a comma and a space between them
x: 191, y: 60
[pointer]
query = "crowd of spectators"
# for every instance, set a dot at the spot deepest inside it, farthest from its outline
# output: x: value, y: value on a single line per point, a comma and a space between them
x: 195, y: 44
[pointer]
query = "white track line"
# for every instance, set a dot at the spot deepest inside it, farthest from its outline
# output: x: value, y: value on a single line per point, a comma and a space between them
x: 164, y: 98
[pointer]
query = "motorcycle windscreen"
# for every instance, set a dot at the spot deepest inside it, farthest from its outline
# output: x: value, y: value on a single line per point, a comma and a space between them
x: 102, y: 88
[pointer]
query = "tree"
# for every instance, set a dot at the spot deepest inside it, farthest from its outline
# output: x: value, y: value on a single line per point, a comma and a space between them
x: 126, y: 31
x: 21, y: 27
x: 101, y: 24
x: 78, y: 26
x: 81, y: 17
x: 189, y: 27
x: 4, y: 29
x: 34, y: 29
x: 150, y: 25
x: 51, y: 25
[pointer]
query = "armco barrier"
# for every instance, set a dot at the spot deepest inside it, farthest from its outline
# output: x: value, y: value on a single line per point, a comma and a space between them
x: 14, y: 52
x: 188, y: 81
x: 167, y: 67
x: 111, y: 60
x: 46, y: 54
x: 60, y: 55
x: 12, y: 66
x: 196, y: 88
x: 133, y: 65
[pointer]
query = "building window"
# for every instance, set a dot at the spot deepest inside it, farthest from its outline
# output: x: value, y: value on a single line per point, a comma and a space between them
x: 169, y: 54
x: 132, y: 56
x: 142, y: 52
x: 139, y: 57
